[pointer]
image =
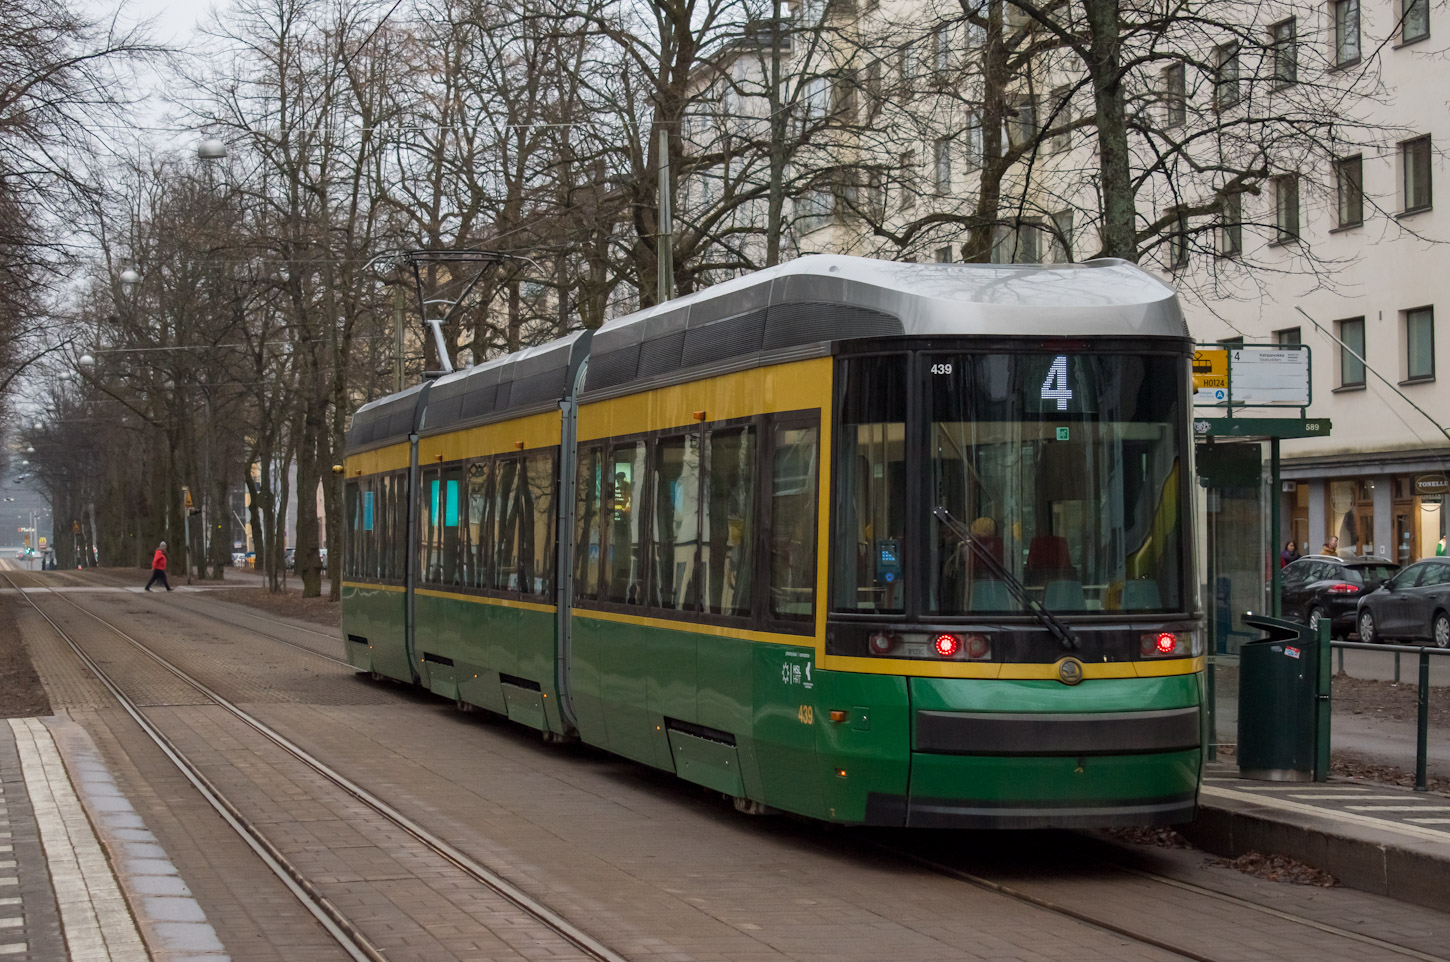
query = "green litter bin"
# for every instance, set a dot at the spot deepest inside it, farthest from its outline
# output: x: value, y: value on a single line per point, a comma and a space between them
x: 1278, y: 702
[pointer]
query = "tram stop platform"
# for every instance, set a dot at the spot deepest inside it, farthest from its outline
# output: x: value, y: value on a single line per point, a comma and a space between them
x: 1382, y: 839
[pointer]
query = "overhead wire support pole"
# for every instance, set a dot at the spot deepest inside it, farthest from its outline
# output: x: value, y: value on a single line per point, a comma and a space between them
x: 665, y: 239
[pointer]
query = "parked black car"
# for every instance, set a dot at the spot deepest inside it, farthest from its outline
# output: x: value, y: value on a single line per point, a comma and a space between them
x: 1321, y: 586
x: 1414, y: 604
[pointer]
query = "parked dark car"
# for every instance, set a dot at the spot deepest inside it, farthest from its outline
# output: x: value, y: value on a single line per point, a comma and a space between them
x: 1321, y: 586
x: 1414, y: 605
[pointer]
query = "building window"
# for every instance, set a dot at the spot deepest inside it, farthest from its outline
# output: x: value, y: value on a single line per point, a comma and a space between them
x: 908, y: 180
x: 875, y: 196
x: 1178, y: 244
x: 944, y: 254
x: 1226, y: 77
x: 1288, y: 337
x: 1285, y: 45
x: 1231, y: 232
x: 974, y: 154
x: 873, y: 88
x: 942, y: 40
x: 1349, y: 186
x: 1351, y: 343
x: 1420, y: 344
x: 1175, y: 96
x: 942, y: 169
x: 1024, y: 121
x: 1346, y: 32
x: 1059, y: 115
x: 908, y: 72
x: 1029, y: 243
x: 1415, y: 167
x: 1414, y: 20
x: 1286, y: 208
x: 1062, y: 223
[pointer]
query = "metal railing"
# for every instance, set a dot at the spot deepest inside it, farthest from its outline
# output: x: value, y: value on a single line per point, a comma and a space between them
x: 1422, y: 730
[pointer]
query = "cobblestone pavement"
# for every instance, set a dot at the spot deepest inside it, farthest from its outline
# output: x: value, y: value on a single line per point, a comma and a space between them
x: 653, y: 867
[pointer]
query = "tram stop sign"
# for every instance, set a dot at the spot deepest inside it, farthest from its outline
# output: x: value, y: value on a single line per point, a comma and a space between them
x: 1210, y: 375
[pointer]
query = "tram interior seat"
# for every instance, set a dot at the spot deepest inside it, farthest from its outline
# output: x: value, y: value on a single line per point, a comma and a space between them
x: 990, y: 596
x: 1048, y: 560
x: 1141, y: 594
x: 1064, y: 595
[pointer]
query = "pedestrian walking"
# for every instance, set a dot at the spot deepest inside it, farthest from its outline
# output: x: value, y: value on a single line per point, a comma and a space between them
x: 1331, y: 547
x: 1289, y: 555
x: 158, y: 568
x: 1440, y: 548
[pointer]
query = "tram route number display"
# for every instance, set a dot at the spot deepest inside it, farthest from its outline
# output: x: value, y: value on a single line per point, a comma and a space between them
x: 1056, y: 386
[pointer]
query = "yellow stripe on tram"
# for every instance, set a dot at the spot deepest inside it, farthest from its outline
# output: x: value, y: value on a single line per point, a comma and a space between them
x: 798, y: 386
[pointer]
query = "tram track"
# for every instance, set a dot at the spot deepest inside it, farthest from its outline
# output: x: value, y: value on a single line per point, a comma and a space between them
x: 1017, y: 894
x: 1145, y: 935
x: 348, y: 934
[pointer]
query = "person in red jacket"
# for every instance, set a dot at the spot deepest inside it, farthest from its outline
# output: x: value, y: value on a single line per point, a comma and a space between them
x: 158, y: 568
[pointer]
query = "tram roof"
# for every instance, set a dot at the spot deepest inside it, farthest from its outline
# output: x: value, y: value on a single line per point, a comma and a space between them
x: 826, y: 297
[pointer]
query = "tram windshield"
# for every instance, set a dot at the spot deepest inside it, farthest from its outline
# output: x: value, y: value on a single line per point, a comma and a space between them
x: 1065, y: 468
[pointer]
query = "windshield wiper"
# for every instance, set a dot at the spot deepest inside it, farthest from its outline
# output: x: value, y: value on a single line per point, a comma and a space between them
x: 1056, y: 628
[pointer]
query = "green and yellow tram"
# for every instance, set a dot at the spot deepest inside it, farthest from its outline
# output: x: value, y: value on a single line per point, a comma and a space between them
x: 875, y: 543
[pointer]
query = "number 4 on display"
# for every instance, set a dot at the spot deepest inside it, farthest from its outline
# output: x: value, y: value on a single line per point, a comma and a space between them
x: 1054, y: 386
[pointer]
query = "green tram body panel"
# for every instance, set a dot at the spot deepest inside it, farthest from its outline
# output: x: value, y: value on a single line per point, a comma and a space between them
x: 378, y: 615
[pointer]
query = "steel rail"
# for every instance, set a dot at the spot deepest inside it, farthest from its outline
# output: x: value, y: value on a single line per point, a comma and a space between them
x: 1008, y: 891
x: 333, y: 921
x: 510, y: 892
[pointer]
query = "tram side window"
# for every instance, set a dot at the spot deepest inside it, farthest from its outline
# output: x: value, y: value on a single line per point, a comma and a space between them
x: 727, y: 558
x: 536, y: 551
x: 869, y: 566
x: 676, y: 521
x: 624, y: 555
x: 589, y: 483
x: 477, y: 499
x: 428, y: 542
x: 369, y: 533
x: 450, y: 568
x: 354, y: 526
x: 794, y: 450
x: 506, y: 526
x: 383, y: 485
x: 398, y: 529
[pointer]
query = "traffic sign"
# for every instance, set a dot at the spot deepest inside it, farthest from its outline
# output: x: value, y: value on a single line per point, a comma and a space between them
x: 186, y: 492
x: 75, y: 527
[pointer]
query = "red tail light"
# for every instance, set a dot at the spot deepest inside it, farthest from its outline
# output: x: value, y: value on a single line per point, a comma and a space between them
x: 947, y: 646
x: 978, y: 647
x: 1161, y: 643
x: 1344, y: 588
x: 882, y: 643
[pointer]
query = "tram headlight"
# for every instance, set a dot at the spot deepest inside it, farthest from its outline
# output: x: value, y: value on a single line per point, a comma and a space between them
x: 883, y: 642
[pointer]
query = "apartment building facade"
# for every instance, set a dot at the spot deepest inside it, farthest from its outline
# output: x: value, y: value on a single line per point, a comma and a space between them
x: 1308, y: 218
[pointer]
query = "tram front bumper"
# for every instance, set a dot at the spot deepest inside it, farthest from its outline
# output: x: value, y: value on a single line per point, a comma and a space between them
x: 1048, y: 769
